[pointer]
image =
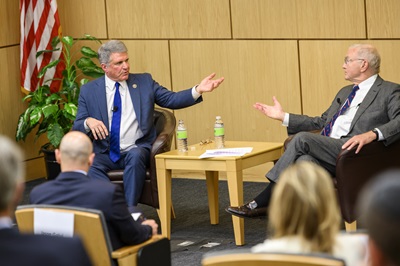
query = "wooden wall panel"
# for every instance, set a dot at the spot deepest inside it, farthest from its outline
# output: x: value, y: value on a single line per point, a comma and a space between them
x: 83, y: 17
x: 151, y: 57
x: 12, y: 106
x: 9, y: 26
x: 298, y: 19
x: 162, y: 19
x: 322, y: 75
x: 383, y: 18
x: 253, y: 70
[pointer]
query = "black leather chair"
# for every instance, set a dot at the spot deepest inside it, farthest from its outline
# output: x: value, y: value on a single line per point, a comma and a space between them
x: 353, y: 171
x: 165, y: 123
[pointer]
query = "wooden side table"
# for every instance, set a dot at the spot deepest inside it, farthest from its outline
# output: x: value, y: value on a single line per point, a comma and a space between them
x: 262, y: 152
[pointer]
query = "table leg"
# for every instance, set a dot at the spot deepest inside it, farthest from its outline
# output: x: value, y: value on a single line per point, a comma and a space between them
x: 235, y: 187
x: 164, y: 198
x: 212, y: 189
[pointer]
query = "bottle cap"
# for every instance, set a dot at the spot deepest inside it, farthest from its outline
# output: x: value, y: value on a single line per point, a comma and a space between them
x: 218, y: 117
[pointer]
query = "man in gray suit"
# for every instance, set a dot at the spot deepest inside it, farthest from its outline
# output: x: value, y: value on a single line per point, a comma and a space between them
x: 367, y: 111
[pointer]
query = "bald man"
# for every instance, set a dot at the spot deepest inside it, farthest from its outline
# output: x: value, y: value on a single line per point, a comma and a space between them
x: 28, y: 249
x: 73, y: 187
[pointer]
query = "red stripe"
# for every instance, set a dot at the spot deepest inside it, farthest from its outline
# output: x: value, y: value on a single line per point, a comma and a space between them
x: 32, y: 39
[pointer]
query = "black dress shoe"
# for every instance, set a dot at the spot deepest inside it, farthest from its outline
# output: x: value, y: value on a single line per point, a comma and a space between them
x: 244, y: 211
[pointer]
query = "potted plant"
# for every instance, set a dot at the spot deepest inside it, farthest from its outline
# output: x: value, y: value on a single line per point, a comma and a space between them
x: 53, y: 110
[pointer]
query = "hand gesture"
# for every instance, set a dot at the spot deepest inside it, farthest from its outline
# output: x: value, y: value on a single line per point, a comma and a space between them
x: 99, y: 130
x: 274, y: 112
x: 208, y: 84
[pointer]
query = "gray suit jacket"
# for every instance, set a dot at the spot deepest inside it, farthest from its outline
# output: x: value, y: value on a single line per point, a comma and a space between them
x: 379, y: 109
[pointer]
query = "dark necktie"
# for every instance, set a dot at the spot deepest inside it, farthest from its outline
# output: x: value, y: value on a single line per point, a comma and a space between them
x: 327, y: 130
x: 115, y: 126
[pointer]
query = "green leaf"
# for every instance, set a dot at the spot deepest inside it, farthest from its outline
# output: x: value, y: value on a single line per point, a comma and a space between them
x: 68, y: 40
x: 85, y: 62
x: 93, y: 72
x: 54, y: 97
x: 46, y: 51
x: 50, y: 65
x: 71, y: 109
x: 84, y: 81
x: 35, y: 116
x: 55, y: 41
x: 49, y: 109
x: 23, y: 128
x: 87, y: 51
x: 55, y: 134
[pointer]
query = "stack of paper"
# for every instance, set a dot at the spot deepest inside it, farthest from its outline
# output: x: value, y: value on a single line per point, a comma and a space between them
x: 226, y: 152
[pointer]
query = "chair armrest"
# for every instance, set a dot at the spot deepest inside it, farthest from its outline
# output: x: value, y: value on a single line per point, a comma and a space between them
x: 128, y: 250
x: 353, y: 171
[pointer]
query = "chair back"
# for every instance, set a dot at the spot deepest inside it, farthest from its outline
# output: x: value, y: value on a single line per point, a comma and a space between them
x: 89, y: 225
x: 271, y: 259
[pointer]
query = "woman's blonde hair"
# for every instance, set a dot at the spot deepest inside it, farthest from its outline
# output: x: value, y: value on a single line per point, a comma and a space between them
x: 304, y: 204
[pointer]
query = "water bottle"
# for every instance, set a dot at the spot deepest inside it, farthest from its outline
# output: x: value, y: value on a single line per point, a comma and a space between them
x: 219, y: 133
x: 181, y: 137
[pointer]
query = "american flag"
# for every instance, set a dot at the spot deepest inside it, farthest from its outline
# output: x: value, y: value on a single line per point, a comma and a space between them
x: 39, y: 25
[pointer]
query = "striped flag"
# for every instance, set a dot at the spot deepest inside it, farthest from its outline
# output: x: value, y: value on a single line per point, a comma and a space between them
x: 39, y: 25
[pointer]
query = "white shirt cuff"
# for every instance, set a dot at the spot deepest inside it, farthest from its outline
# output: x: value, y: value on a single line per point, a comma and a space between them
x: 195, y: 94
x: 286, y: 120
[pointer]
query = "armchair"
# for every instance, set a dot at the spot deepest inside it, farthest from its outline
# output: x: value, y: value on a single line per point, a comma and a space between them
x: 164, y: 122
x: 90, y: 226
x: 353, y: 171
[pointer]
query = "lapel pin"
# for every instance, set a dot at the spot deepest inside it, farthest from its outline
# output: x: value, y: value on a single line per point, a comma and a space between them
x: 134, y: 86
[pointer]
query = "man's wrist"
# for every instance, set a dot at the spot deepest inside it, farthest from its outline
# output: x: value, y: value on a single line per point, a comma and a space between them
x: 375, y: 131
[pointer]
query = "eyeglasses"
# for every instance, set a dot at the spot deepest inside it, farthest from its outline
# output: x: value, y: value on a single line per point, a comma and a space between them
x: 348, y: 60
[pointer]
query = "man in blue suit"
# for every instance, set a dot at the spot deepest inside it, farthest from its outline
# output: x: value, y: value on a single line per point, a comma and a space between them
x: 132, y: 97
x: 73, y: 187
x: 27, y: 249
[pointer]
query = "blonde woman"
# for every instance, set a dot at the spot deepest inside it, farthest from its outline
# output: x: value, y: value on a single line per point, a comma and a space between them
x: 304, y: 217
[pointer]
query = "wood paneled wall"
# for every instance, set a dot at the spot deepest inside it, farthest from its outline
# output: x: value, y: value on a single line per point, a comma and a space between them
x: 285, y: 48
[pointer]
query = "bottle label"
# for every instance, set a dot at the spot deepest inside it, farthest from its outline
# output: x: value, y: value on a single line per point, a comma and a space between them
x: 219, y: 131
x: 181, y: 134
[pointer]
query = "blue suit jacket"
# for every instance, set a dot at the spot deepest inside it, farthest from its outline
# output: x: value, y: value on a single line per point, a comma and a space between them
x: 77, y: 189
x: 36, y: 250
x: 144, y: 92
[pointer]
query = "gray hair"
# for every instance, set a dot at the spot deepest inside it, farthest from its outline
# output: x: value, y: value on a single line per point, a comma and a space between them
x: 11, y: 170
x: 106, y: 49
x: 380, y: 211
x: 369, y: 53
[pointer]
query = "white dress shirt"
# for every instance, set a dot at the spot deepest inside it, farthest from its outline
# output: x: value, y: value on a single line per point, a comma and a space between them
x: 341, y: 127
x: 129, y: 130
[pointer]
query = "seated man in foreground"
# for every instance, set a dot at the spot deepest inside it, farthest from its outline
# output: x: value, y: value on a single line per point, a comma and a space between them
x: 74, y: 188
x: 28, y: 249
x: 380, y: 211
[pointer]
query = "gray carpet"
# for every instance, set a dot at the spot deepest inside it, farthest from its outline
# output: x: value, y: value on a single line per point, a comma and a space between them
x: 192, y: 221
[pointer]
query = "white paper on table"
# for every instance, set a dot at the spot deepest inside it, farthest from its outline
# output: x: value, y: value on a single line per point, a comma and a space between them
x: 226, y: 152
x: 53, y: 223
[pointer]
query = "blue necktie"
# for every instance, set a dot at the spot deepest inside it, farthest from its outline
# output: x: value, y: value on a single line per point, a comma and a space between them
x: 115, y: 126
x: 328, y: 128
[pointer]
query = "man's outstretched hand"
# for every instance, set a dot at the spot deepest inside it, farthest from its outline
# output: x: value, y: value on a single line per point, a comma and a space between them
x: 208, y: 84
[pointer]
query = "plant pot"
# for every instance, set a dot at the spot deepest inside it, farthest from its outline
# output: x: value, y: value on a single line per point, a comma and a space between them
x: 52, y: 166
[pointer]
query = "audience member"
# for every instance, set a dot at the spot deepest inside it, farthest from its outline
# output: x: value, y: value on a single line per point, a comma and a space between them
x: 366, y: 111
x: 304, y: 217
x: 27, y: 249
x: 380, y: 213
x: 117, y: 111
x: 73, y: 187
